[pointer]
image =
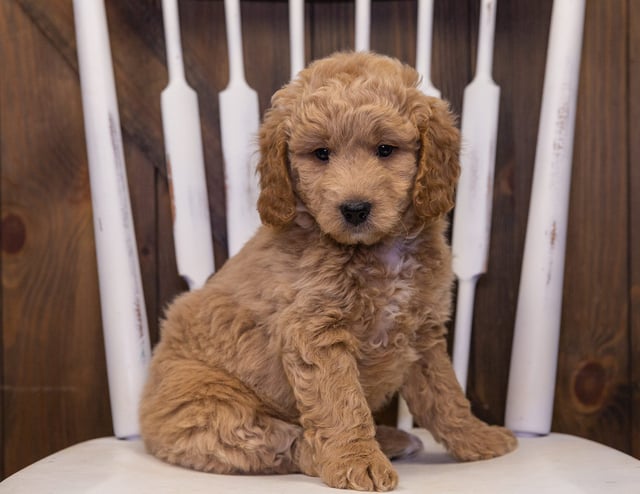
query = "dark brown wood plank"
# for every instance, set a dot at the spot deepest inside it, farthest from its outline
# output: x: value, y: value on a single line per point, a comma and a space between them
x: 331, y: 27
x: 393, y: 29
x: 54, y: 386
x: 592, y: 391
x: 267, y: 64
x: 633, y: 24
x: 451, y: 54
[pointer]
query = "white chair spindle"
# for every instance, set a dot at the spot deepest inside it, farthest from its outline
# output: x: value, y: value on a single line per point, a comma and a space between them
x: 363, y: 25
x: 185, y: 162
x: 474, y: 196
x: 296, y: 36
x: 537, y: 328
x: 424, y: 41
x: 239, y: 122
x: 124, y: 317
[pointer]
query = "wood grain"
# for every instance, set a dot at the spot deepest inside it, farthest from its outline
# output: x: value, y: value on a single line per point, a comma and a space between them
x: 451, y: 52
x: 54, y: 389
x: 592, y: 392
x: 331, y: 27
x: 633, y: 24
x: 139, y: 113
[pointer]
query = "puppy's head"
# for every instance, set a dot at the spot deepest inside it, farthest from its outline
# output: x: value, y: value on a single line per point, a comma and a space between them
x: 360, y: 147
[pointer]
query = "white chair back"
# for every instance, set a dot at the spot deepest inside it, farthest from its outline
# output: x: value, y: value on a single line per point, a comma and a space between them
x: 530, y: 395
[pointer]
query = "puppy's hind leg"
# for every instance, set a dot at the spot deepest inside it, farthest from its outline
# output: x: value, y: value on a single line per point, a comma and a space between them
x: 396, y: 443
x: 205, y: 419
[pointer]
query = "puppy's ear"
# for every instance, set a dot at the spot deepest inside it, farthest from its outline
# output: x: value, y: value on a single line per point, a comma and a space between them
x: 276, y: 203
x: 438, y: 158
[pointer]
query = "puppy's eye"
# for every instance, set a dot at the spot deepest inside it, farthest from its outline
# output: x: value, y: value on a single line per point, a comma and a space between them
x: 322, y: 154
x: 384, y: 150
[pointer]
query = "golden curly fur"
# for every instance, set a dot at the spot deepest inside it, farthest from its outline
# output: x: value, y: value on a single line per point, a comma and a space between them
x: 337, y: 303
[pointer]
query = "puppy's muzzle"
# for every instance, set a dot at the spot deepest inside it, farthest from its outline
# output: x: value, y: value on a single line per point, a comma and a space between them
x: 355, y: 212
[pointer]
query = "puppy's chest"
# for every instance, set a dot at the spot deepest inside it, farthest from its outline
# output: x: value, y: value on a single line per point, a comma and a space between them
x: 388, y: 302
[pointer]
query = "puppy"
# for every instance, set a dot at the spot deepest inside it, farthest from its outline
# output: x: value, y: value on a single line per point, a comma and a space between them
x: 339, y: 301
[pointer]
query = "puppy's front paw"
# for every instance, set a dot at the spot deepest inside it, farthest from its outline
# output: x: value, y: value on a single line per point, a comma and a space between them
x: 361, y: 471
x: 483, y: 442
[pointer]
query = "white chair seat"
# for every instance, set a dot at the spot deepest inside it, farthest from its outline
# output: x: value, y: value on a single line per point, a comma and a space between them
x: 556, y: 463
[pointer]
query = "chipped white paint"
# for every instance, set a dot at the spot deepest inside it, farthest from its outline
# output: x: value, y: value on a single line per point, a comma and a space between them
x: 535, y: 346
x: 474, y: 197
x: 124, y: 317
x: 185, y: 162
x: 239, y: 121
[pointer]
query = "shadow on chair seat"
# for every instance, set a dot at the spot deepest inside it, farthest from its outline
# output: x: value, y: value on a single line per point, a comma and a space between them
x: 553, y: 464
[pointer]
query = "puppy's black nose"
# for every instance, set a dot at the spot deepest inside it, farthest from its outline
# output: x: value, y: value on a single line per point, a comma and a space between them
x: 355, y: 212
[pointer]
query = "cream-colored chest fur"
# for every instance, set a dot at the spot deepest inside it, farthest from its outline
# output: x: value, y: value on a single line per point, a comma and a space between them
x: 389, y: 301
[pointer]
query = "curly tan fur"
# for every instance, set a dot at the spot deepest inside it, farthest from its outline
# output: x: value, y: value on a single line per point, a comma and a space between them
x: 278, y: 362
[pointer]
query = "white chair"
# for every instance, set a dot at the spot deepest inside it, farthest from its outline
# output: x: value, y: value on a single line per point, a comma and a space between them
x: 549, y: 463
x: 552, y: 464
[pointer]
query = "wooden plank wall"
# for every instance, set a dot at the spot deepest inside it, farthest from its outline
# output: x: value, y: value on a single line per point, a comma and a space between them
x: 54, y: 390
x: 634, y: 220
